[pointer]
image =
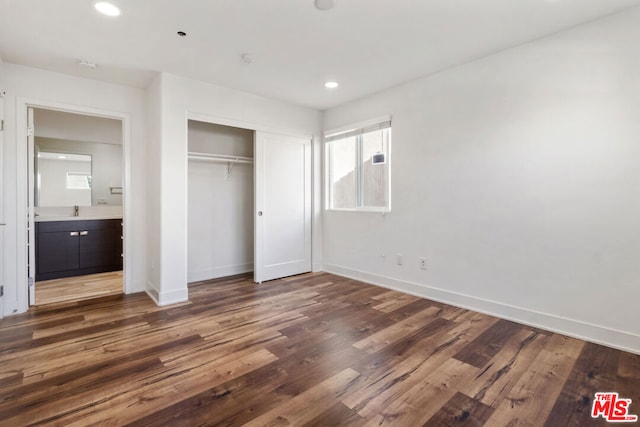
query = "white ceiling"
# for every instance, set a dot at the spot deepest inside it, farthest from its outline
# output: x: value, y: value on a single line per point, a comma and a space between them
x: 366, y: 45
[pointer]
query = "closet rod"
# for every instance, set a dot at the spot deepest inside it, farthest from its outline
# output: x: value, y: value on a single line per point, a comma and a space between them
x: 221, y: 158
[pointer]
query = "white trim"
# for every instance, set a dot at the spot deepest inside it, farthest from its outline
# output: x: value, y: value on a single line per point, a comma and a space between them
x: 216, y: 272
x: 166, y: 298
x: 152, y: 292
x: 175, y: 296
x: 22, y: 104
x: 622, y: 340
x: 358, y: 125
x: 367, y: 209
x: 2, y: 220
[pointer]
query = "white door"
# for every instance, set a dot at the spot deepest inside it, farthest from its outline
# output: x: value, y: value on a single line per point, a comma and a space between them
x: 31, y: 233
x: 283, y: 206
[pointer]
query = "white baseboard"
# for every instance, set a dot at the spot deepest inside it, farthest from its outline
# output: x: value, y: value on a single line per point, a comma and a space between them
x: 166, y: 298
x: 152, y: 292
x: 214, y: 273
x: 621, y: 340
x: 173, y: 297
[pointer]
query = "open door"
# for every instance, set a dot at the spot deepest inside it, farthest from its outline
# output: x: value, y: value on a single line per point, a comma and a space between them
x: 283, y: 206
x: 2, y: 224
x: 31, y: 232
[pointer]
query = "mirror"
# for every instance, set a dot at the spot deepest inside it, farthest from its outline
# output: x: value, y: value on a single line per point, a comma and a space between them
x: 77, y: 160
x: 72, y: 173
x: 63, y: 179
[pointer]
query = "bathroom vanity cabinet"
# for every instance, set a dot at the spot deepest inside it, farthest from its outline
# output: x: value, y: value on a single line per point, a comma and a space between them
x: 77, y: 247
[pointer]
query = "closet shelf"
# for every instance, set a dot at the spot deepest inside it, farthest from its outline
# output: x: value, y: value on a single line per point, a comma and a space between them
x: 219, y: 158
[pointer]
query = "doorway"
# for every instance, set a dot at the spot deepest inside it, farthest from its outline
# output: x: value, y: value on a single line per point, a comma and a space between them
x: 75, y: 185
x: 249, y: 201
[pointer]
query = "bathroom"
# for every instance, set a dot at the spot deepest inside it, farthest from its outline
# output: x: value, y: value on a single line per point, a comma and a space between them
x: 75, y: 237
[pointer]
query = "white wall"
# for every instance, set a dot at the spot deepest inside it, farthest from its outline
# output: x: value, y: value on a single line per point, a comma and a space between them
x: 517, y: 177
x: 180, y: 98
x: 220, y: 208
x: 76, y: 127
x: 154, y: 121
x: 218, y: 139
x: 37, y: 85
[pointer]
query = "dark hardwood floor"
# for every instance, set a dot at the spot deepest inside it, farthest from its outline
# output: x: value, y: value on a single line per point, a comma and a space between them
x: 315, y: 349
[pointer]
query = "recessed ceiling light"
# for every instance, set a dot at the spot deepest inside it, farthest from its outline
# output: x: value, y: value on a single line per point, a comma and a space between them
x: 107, y: 8
x: 331, y: 85
x: 324, y: 4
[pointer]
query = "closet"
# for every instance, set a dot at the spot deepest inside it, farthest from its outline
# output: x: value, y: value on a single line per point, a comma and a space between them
x: 220, y: 201
x: 249, y: 203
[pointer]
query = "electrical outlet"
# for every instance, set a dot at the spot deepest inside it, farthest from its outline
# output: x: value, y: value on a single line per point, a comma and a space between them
x: 423, y: 263
x: 399, y: 259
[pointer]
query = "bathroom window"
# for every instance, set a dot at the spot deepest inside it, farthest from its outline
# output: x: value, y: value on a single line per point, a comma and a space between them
x: 78, y: 181
x: 358, y: 168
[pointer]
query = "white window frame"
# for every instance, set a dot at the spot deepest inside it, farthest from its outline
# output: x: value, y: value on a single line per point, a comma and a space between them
x: 87, y: 180
x: 357, y: 129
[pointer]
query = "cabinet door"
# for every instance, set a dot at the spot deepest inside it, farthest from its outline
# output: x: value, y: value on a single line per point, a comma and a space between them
x: 57, y: 251
x: 99, y: 247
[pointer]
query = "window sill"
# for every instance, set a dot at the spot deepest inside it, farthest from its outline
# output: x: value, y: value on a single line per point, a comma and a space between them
x: 365, y: 210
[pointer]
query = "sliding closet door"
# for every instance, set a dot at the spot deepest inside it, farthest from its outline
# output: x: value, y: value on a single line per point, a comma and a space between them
x: 283, y: 206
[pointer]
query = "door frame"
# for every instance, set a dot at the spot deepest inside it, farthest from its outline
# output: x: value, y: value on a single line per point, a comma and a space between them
x: 2, y: 220
x: 24, y: 217
x: 256, y: 127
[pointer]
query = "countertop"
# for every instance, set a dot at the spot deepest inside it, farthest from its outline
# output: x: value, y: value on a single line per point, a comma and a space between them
x: 75, y: 218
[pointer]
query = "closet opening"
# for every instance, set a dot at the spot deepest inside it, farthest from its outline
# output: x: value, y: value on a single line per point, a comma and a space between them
x: 220, y: 230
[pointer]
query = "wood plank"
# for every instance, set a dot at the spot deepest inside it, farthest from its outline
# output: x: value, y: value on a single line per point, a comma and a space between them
x: 337, y: 415
x: 595, y: 370
x: 461, y: 410
x: 496, y: 379
x: 534, y: 394
x: 479, y: 351
x: 240, y: 353
x: 397, y: 331
x: 392, y: 300
x: 78, y: 288
x: 388, y: 384
x: 241, y: 399
x: 628, y: 379
x: 417, y: 404
x: 316, y: 400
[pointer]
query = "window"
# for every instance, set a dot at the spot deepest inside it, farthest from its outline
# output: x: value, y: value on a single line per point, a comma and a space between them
x: 359, y: 168
x: 78, y: 181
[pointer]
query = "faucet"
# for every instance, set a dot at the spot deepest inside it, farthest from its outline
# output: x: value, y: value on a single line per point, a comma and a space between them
x: 76, y: 210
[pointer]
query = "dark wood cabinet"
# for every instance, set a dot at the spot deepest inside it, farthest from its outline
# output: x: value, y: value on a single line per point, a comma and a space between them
x: 74, y: 248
